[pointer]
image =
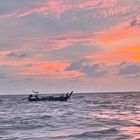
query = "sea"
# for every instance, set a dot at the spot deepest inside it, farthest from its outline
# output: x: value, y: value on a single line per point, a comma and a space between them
x: 87, y: 116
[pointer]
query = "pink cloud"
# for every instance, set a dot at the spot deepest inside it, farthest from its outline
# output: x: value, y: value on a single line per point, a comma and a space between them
x: 104, y: 8
x: 51, y: 6
x: 3, y: 53
x: 52, y: 42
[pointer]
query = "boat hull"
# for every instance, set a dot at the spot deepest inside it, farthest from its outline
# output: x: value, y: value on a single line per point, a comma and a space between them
x: 51, y: 98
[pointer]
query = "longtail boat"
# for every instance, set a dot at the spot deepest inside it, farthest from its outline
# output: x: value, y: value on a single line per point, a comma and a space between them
x: 50, y: 98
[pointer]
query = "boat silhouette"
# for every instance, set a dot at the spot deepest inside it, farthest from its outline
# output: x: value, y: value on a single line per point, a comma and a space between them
x: 62, y: 97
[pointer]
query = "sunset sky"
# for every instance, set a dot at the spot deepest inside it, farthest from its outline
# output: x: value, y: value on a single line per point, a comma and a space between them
x: 63, y: 45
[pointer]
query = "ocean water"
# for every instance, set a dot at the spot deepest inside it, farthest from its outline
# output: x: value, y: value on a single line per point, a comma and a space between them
x: 98, y: 116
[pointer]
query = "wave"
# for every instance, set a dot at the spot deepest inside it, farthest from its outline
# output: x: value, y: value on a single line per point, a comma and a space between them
x: 110, y: 132
x: 86, y: 116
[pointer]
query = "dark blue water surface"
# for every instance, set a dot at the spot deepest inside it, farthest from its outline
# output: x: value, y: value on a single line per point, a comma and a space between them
x: 98, y: 116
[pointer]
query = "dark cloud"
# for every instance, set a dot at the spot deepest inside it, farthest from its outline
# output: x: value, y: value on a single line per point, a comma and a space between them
x: 93, y: 70
x: 17, y: 55
x: 129, y: 69
x: 135, y: 22
x: 74, y: 66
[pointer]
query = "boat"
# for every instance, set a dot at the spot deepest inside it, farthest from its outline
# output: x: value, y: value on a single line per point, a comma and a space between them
x: 50, y: 98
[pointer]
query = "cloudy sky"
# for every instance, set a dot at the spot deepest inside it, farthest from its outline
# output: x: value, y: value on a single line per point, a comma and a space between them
x: 64, y: 45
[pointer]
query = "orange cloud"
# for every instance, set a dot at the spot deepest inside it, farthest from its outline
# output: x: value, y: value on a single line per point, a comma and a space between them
x: 50, y: 67
x: 130, y: 54
x: 119, y: 33
x: 65, y: 74
x: 37, y: 66
x: 53, y: 70
x: 121, y: 43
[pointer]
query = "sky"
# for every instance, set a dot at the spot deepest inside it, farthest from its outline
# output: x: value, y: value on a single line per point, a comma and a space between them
x: 63, y: 45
